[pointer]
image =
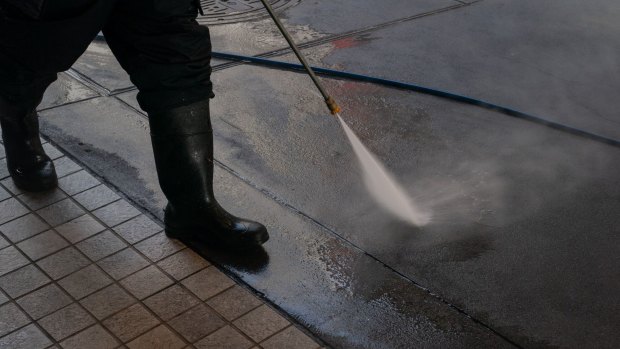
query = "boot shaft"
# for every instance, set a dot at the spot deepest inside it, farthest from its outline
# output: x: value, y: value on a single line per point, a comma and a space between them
x: 182, y: 141
x: 20, y: 134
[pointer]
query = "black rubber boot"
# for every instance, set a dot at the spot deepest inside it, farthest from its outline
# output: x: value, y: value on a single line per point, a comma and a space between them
x: 183, y: 147
x: 29, y: 166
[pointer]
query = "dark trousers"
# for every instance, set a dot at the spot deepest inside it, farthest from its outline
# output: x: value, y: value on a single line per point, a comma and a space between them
x: 158, y: 42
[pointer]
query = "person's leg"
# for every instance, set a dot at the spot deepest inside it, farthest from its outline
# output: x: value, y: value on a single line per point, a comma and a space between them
x: 167, y: 55
x: 28, y: 165
x: 32, y: 51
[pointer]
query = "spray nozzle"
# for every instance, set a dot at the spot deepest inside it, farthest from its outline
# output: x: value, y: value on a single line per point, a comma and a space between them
x: 333, y: 107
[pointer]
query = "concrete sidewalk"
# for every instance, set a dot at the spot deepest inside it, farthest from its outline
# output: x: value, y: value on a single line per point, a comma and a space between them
x: 523, y: 248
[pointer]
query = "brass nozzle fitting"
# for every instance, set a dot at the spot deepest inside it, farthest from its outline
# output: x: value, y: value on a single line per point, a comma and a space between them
x: 333, y: 107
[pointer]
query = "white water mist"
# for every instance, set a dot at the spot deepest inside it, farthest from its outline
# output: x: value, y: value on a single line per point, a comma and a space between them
x: 382, y: 186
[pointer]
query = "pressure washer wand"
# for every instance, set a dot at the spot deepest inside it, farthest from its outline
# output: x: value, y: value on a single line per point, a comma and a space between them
x: 331, y: 103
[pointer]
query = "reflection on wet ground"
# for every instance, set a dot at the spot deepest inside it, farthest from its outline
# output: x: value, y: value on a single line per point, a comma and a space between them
x: 251, y: 261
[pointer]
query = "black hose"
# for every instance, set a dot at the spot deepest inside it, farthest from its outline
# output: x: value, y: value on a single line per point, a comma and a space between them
x: 425, y: 90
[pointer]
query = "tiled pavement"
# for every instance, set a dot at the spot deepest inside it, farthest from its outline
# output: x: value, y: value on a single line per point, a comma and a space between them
x: 80, y: 267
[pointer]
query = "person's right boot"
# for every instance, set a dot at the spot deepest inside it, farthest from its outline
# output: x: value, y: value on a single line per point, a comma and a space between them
x: 182, y: 141
x: 31, y: 169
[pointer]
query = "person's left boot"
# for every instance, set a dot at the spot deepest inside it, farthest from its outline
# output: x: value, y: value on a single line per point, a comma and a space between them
x: 31, y: 169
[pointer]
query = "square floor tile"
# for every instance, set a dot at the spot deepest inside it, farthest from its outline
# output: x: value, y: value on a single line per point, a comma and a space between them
x: 77, y: 182
x: 44, y: 301
x: 3, y: 298
x: 39, y: 200
x: 101, y: 245
x: 9, y: 185
x: 4, y: 194
x: 138, y: 228
x: 123, y: 263
x: 65, y: 166
x: 234, y: 302
x: 11, y: 209
x: 23, y: 227
x: 4, y: 171
x: 66, y: 321
x: 159, y: 337
x: 23, y: 280
x: 197, y: 323
x: 171, y: 302
x: 60, y: 212
x: 52, y: 151
x: 94, y: 337
x: 42, y: 245
x: 4, y: 242
x: 183, y: 264
x: 11, y: 259
x: 208, y: 282
x: 290, y: 338
x: 80, y: 228
x: 29, y: 337
x: 131, y: 322
x: 11, y: 318
x: 85, y: 281
x: 63, y: 263
x: 261, y: 323
x: 96, y: 197
x: 116, y: 213
x: 146, y: 282
x: 159, y: 246
x: 107, y: 301
x: 224, y: 338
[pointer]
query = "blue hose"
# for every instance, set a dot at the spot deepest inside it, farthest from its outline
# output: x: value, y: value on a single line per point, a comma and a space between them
x: 425, y: 90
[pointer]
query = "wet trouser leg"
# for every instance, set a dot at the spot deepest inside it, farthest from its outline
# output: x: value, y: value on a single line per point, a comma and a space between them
x: 165, y: 51
x: 36, y: 42
x: 33, y: 51
x: 158, y: 42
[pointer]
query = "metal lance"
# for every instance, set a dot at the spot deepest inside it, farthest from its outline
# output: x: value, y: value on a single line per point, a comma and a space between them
x: 331, y: 103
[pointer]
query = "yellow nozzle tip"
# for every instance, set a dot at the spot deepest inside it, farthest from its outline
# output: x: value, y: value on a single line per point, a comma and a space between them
x: 333, y: 107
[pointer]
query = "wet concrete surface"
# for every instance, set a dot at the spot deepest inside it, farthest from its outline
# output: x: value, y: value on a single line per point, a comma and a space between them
x: 339, y: 292
x: 515, y: 204
x: 66, y: 90
x: 555, y: 59
x: 525, y: 235
x: 315, y: 20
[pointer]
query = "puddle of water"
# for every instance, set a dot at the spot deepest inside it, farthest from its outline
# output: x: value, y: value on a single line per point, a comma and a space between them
x: 382, y: 185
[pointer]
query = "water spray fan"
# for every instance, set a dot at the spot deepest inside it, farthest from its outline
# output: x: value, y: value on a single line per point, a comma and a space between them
x: 331, y: 103
x: 381, y: 185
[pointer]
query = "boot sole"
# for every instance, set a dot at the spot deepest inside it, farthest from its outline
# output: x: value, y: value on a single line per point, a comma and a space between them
x: 35, y: 187
x: 190, y: 234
